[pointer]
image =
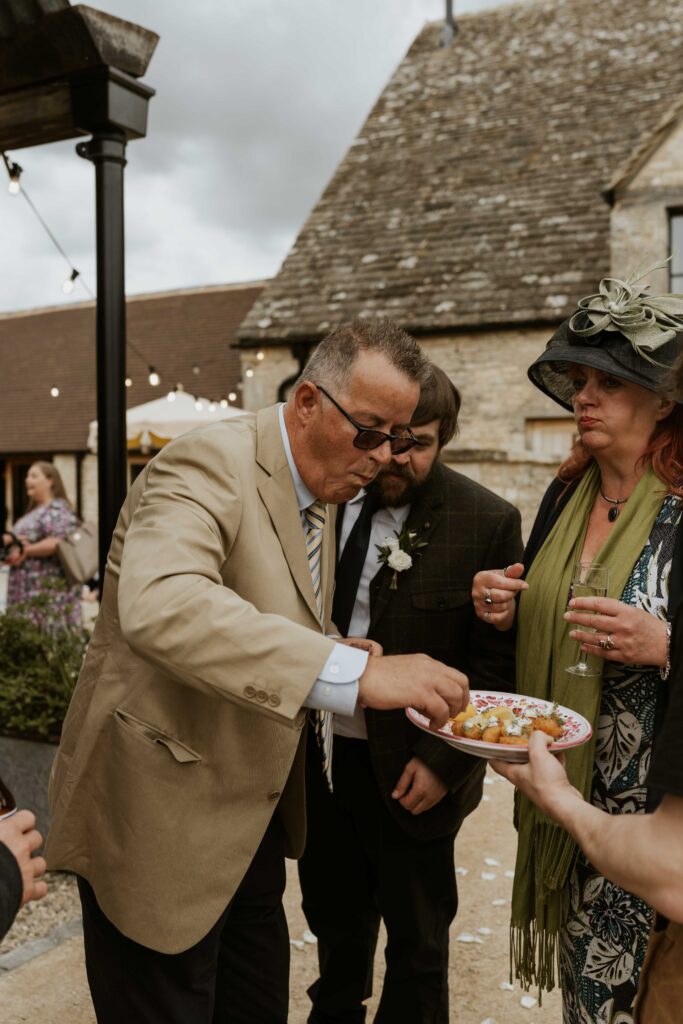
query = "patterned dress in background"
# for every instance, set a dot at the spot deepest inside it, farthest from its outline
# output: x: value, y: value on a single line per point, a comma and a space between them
x: 604, y: 940
x: 43, y: 577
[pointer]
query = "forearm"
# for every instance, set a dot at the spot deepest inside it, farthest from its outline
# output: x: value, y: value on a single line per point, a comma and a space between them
x: 42, y: 548
x: 643, y: 853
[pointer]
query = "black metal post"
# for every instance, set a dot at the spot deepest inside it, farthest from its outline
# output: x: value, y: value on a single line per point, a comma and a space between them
x: 107, y: 150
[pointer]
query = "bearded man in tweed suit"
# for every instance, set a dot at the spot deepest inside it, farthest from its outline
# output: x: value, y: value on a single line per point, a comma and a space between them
x: 386, y: 833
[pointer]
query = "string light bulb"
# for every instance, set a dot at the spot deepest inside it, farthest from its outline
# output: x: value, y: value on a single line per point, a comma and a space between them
x: 195, y: 370
x: 68, y: 285
x: 224, y: 403
x: 154, y: 378
x: 198, y: 404
x: 232, y: 396
x: 171, y: 395
x: 54, y: 392
x: 249, y: 373
x: 128, y: 382
x: 14, y: 172
x: 212, y: 406
x: 260, y: 356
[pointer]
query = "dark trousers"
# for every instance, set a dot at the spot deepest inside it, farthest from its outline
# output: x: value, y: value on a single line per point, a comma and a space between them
x: 237, y: 974
x: 359, y: 866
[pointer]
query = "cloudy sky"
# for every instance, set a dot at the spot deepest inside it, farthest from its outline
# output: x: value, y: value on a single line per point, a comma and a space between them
x: 257, y: 101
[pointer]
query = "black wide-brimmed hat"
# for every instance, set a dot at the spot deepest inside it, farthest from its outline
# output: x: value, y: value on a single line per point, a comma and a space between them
x: 621, y: 331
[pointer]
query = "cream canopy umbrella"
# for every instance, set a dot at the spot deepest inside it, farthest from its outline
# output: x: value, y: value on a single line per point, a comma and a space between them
x: 153, y: 424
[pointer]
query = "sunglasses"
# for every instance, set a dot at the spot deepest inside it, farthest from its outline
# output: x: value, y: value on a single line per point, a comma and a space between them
x: 368, y: 438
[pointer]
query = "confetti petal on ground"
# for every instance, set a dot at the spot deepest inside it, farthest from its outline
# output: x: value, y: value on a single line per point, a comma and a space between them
x: 461, y: 871
x: 484, y: 931
x: 488, y: 876
x: 297, y: 943
x: 492, y: 862
x: 506, y: 986
x: 486, y: 797
x: 509, y: 874
x: 466, y: 937
x: 527, y: 1002
x: 309, y: 937
x: 499, y: 903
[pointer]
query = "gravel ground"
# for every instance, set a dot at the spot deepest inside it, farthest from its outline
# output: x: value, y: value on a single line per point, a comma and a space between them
x: 38, y: 920
x: 52, y: 987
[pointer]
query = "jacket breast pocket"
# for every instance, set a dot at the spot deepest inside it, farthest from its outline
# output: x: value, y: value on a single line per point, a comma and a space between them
x: 157, y: 737
x: 442, y: 600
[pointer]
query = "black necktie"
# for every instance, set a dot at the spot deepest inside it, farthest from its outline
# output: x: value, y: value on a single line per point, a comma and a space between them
x: 351, y: 562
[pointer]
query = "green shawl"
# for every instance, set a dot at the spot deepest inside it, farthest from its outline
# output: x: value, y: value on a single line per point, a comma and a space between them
x: 545, y: 852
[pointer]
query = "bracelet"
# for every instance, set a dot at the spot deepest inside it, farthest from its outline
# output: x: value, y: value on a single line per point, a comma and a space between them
x: 664, y: 672
x: 15, y: 541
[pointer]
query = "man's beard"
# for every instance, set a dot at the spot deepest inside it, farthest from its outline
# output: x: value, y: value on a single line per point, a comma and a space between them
x: 393, y: 493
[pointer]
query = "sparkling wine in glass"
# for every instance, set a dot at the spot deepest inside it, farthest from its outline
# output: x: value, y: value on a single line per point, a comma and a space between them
x: 589, y: 579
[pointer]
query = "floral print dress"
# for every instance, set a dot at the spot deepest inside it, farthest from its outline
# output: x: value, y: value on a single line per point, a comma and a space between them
x: 43, y: 577
x: 604, y: 940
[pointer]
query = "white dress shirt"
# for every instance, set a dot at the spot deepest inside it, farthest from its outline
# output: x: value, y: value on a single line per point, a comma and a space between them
x: 336, y: 688
x: 385, y: 523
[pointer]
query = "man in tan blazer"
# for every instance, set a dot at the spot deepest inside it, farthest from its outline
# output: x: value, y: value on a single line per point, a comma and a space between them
x: 178, y: 787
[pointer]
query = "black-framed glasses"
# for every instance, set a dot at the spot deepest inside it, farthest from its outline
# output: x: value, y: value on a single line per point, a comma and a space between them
x: 368, y: 438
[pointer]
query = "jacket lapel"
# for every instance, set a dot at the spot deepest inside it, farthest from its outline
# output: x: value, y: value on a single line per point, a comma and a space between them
x: 277, y: 492
x: 423, y: 517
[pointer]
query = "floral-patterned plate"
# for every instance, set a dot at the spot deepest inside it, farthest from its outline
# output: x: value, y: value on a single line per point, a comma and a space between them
x: 577, y: 729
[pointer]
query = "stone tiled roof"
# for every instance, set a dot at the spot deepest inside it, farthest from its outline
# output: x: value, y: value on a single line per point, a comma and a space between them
x: 172, y: 330
x: 473, y: 194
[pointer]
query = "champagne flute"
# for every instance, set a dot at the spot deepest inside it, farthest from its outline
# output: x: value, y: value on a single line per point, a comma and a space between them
x: 589, y: 579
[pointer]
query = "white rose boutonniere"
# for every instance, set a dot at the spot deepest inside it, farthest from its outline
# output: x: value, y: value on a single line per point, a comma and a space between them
x: 397, y: 552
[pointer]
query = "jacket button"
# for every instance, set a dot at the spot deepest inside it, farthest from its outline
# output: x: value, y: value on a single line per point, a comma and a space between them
x: 274, y: 700
x: 275, y: 795
x: 261, y: 696
x: 249, y: 691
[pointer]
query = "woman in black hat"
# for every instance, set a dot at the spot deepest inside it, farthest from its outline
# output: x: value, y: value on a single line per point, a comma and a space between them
x: 616, y: 501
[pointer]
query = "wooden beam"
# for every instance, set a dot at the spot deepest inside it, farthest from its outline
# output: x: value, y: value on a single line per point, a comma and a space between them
x: 37, y: 115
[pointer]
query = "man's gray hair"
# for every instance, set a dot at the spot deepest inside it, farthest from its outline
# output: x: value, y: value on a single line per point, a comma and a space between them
x: 333, y: 361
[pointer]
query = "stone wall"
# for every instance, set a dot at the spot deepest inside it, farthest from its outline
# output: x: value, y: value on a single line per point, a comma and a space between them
x: 640, y: 225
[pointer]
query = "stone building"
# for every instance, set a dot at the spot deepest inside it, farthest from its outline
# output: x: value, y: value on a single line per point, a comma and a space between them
x: 186, y: 336
x: 495, y: 182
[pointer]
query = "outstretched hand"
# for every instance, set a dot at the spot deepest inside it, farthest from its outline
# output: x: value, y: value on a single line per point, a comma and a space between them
x: 543, y: 779
x: 414, y: 680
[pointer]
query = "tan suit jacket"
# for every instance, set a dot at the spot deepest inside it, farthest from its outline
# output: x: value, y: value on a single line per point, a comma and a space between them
x: 185, y: 729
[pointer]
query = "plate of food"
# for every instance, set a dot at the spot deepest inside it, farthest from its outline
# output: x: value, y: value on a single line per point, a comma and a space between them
x: 498, y: 725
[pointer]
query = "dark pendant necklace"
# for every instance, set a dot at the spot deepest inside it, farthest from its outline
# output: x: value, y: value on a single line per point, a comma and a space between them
x: 615, y: 503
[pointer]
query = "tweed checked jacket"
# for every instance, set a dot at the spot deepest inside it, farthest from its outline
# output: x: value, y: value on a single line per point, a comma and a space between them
x: 467, y: 528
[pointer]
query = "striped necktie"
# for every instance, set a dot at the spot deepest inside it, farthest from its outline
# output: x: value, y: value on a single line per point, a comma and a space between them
x: 315, y: 516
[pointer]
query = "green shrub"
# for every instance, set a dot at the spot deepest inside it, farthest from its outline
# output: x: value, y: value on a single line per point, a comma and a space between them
x: 39, y: 667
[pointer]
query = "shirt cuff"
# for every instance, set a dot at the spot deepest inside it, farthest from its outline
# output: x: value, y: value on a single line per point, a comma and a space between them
x: 336, y: 688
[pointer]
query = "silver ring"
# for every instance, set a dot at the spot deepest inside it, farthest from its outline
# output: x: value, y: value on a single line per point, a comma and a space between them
x: 487, y: 596
x: 505, y: 571
x: 609, y: 643
x: 488, y: 614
